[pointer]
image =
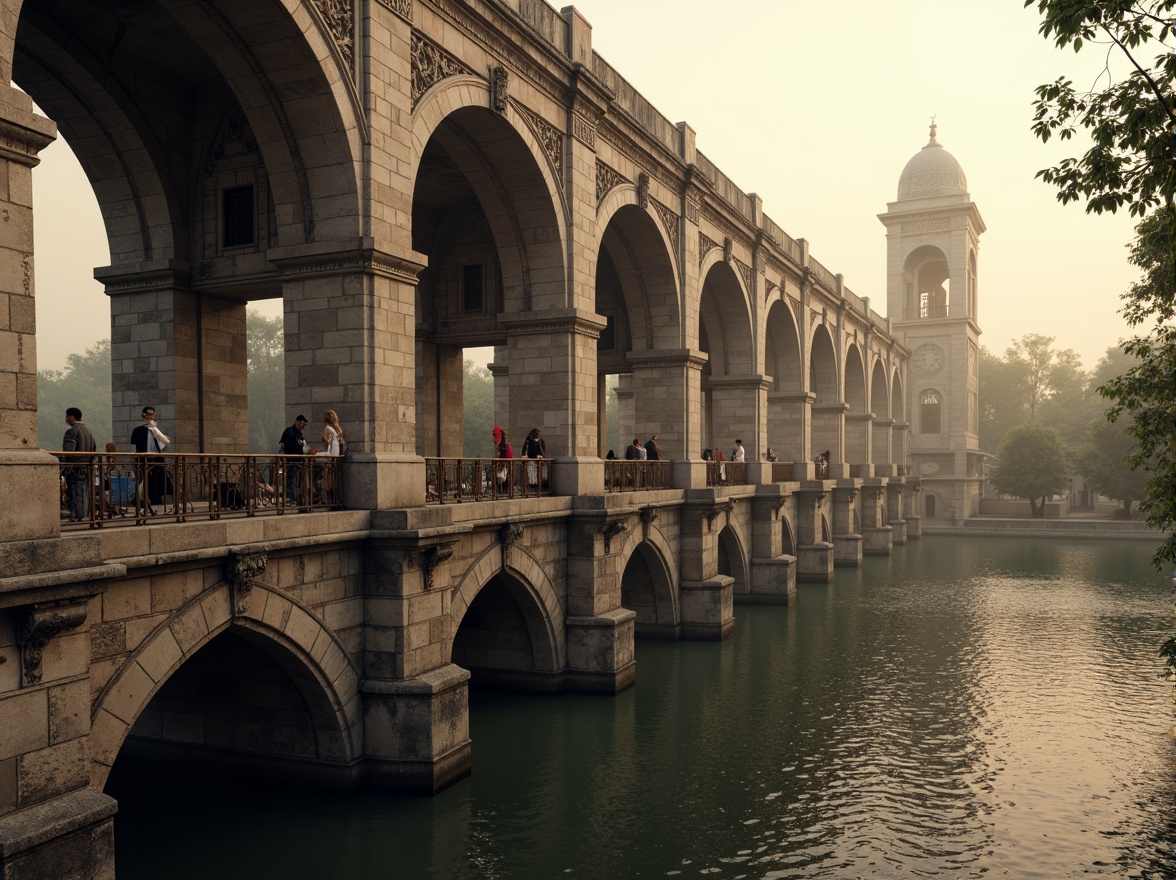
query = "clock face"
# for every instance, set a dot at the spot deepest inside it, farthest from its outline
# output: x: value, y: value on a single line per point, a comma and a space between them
x: 928, y: 358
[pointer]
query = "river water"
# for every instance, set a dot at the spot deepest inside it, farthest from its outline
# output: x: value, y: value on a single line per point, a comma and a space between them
x: 964, y: 708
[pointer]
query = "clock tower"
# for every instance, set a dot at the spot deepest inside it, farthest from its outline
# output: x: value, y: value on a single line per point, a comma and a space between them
x: 932, y: 239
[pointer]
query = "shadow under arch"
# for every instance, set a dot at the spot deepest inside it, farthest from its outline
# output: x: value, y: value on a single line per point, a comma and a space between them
x: 506, y: 625
x: 648, y: 588
x: 732, y: 562
x: 306, y: 651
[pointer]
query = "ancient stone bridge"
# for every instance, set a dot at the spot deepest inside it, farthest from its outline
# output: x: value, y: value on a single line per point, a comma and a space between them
x: 411, y: 178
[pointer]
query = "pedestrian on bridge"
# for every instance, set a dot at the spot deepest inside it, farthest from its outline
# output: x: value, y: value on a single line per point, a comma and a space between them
x: 77, y: 475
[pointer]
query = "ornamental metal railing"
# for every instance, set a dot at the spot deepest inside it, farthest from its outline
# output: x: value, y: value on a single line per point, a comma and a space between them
x: 726, y: 473
x: 461, y: 480
x: 123, y: 488
x: 637, y: 476
x: 781, y: 472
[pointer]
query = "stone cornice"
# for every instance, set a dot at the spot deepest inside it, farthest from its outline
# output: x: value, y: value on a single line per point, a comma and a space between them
x: 294, y: 262
x: 672, y: 358
x: 554, y: 321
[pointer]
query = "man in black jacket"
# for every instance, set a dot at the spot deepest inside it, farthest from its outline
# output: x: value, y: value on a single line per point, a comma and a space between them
x: 77, y: 474
x: 652, y: 450
x: 293, y: 443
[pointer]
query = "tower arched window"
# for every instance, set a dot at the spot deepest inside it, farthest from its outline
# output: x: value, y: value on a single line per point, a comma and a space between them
x: 929, y: 412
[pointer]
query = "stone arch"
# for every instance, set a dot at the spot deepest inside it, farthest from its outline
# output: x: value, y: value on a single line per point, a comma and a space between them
x: 659, y: 611
x: 828, y: 419
x: 898, y: 411
x: 857, y: 417
x: 927, y: 279
x: 883, y: 420
x: 531, y: 589
x: 306, y: 649
x: 515, y: 196
x: 732, y: 560
x: 726, y: 334
x: 788, y: 413
x: 640, y: 248
x: 787, y: 536
x: 186, y: 50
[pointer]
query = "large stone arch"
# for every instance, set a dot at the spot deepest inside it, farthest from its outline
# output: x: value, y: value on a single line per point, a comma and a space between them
x: 527, y: 581
x: 662, y: 614
x: 310, y: 654
x: 730, y: 548
x: 883, y: 420
x: 857, y: 416
x: 516, y: 197
x: 828, y: 423
x: 788, y: 398
x: 731, y: 385
x: 307, y: 127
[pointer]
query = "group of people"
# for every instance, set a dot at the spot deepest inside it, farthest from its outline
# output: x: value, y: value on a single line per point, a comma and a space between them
x: 293, y: 442
x: 738, y: 453
x: 649, y: 451
x: 534, y: 447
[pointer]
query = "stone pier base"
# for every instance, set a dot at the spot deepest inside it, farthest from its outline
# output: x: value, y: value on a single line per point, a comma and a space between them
x: 417, y: 731
x: 708, y: 610
x: 914, y: 528
x: 773, y: 582
x: 877, y: 541
x: 847, y: 551
x: 70, y: 837
x: 898, y: 528
x: 814, y: 563
x: 600, y: 653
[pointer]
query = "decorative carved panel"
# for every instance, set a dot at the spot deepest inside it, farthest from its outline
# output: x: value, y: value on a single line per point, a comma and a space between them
x: 705, y: 246
x: 499, y: 86
x: 336, y: 15
x: 551, y: 139
x: 430, y: 65
x: 402, y: 8
x: 606, y: 180
x: 669, y: 219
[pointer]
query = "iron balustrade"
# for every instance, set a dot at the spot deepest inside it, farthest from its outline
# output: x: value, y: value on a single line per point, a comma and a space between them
x: 781, y: 472
x: 127, y: 488
x: 726, y: 473
x: 636, y: 476
x: 459, y: 480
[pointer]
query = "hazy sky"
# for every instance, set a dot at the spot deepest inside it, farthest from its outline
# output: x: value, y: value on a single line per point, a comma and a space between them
x: 816, y: 106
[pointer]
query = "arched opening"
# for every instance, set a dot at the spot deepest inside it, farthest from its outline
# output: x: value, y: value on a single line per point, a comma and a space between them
x: 883, y: 420
x: 929, y: 505
x: 828, y: 408
x: 857, y: 417
x: 930, y: 405
x: 724, y: 334
x: 900, y: 427
x: 636, y: 293
x: 731, y: 561
x: 646, y: 590
x: 928, y: 281
x: 787, y: 408
x: 787, y: 538
x: 478, y: 187
x: 504, y: 639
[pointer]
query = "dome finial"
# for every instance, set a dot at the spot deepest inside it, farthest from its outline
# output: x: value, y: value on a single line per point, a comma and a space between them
x: 933, y: 141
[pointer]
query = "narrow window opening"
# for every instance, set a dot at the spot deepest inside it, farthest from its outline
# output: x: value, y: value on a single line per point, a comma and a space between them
x: 472, y: 295
x: 238, y: 217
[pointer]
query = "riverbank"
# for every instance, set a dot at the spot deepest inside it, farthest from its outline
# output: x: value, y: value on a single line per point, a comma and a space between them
x: 1072, y: 526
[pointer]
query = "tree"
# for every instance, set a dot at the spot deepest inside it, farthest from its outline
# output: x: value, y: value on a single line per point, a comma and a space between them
x: 1145, y: 396
x: 265, y: 352
x: 477, y: 410
x: 1032, y: 465
x: 84, y: 383
x: 1103, y: 461
x: 1003, y: 398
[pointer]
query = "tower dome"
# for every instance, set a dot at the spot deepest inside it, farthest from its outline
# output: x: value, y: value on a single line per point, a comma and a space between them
x: 932, y: 171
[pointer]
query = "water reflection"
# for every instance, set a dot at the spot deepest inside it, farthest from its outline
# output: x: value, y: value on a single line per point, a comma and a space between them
x: 961, y: 709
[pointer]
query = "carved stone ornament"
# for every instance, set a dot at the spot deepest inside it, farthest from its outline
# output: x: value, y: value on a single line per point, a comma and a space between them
x: 669, y: 219
x: 499, y: 85
x: 243, y: 570
x: 606, y: 180
x: 609, y: 531
x: 744, y: 271
x: 510, y: 533
x: 336, y: 14
x: 728, y: 249
x: 692, y: 211
x: 584, y: 127
x: 431, y: 557
x: 402, y: 8
x: 648, y: 517
x: 780, y: 502
x: 705, y: 246
x: 430, y: 65
x: 36, y: 626
x: 643, y: 191
x: 709, y: 516
x: 550, y: 138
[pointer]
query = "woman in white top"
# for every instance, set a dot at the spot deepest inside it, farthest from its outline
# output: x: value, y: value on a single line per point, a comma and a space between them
x: 332, y: 445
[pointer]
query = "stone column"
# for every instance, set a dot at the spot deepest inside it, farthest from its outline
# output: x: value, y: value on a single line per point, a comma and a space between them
x: 553, y: 387
x: 828, y: 434
x: 706, y: 598
x: 415, y: 702
x: 600, y: 632
x: 814, y: 555
x: 501, y: 373
x: 847, y: 541
x: 667, y: 394
x: 790, y: 425
x: 914, y: 519
x: 880, y: 450
x: 857, y: 443
x: 183, y: 353
x: 625, y: 424
x: 738, y: 404
x: 773, y: 572
x: 28, y: 476
x: 350, y: 347
x: 877, y: 535
x: 439, y: 415
x: 894, y: 505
